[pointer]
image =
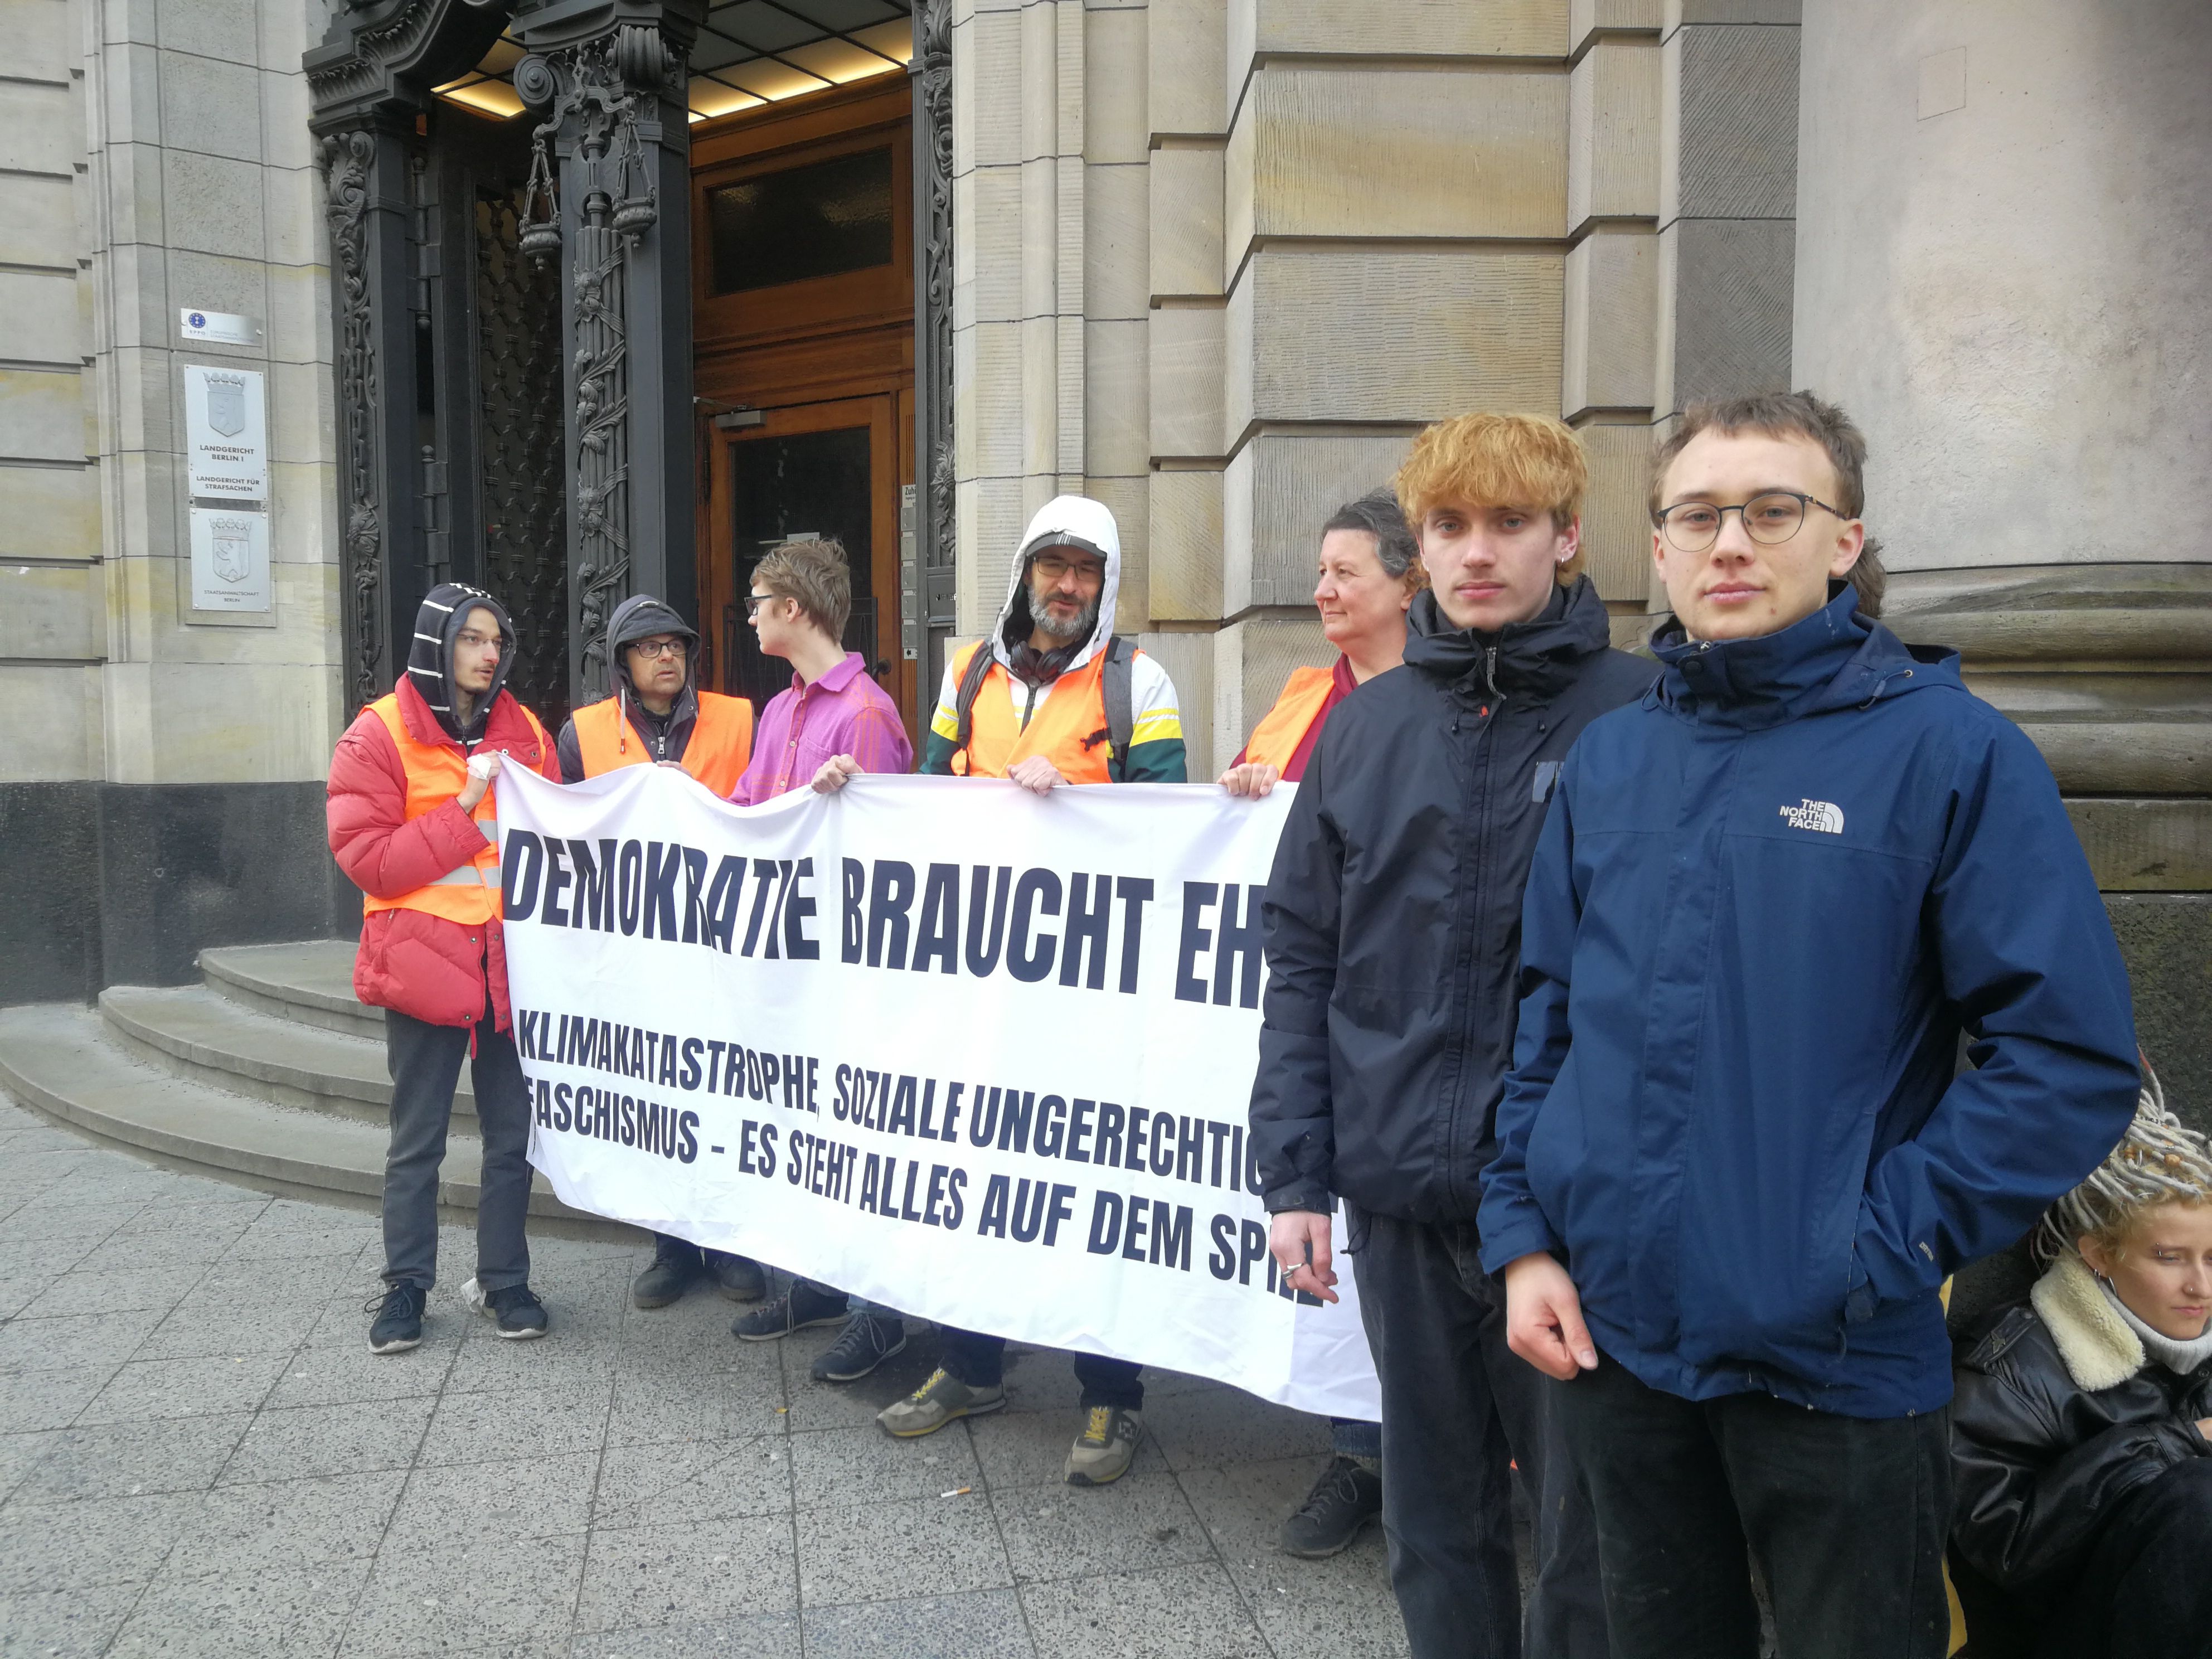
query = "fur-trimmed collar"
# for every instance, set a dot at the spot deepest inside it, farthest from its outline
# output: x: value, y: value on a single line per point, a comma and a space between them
x: 2100, y: 1350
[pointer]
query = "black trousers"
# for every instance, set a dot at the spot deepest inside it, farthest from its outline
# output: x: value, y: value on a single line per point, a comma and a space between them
x: 1458, y: 1407
x: 425, y: 1061
x: 666, y: 1244
x: 2145, y: 1593
x: 1846, y: 1517
x: 979, y: 1361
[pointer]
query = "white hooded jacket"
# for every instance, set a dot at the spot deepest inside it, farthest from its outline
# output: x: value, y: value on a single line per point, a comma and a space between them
x: 1080, y: 522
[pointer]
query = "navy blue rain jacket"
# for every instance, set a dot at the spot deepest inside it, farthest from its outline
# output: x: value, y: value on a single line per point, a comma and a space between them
x: 1766, y: 901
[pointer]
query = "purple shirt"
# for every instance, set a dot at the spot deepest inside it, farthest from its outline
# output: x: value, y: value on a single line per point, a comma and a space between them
x: 843, y: 713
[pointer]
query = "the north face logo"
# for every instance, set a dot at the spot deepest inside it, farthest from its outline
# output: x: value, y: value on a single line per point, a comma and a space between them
x: 1822, y: 815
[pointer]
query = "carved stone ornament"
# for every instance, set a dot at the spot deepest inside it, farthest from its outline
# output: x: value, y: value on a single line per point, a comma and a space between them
x: 347, y: 159
x: 381, y: 55
x: 933, y: 151
x: 594, y: 95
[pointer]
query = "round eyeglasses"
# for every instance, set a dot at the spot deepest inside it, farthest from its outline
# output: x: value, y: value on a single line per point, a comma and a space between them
x: 1770, y: 516
x: 651, y: 649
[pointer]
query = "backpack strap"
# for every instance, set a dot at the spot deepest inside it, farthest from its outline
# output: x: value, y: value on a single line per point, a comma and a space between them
x: 1121, y: 716
x: 964, y: 701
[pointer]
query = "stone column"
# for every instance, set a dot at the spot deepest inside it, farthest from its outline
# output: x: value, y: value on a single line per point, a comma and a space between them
x: 2004, y: 225
x: 612, y: 203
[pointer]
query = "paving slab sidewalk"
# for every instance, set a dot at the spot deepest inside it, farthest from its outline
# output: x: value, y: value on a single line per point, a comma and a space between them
x: 199, y: 1456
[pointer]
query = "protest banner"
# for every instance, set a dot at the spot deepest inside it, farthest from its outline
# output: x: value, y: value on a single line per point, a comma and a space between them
x: 982, y: 1055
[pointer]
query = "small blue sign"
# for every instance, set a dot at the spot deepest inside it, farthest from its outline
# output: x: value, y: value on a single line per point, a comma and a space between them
x: 198, y: 320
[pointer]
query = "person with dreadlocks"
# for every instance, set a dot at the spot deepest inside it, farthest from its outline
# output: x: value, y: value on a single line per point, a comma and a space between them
x: 2079, y: 1449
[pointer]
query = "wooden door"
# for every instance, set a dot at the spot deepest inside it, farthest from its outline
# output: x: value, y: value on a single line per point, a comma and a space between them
x: 829, y: 471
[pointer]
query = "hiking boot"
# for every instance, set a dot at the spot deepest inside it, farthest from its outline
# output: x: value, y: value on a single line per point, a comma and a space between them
x: 518, y: 1314
x: 1101, y: 1452
x: 398, y: 1325
x: 1347, y: 1496
x: 936, y: 1403
x: 675, y: 1265
x: 865, y: 1343
x: 738, y: 1278
x: 794, y: 1310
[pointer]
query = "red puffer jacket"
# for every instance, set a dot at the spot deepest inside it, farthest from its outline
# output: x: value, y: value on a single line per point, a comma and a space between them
x: 423, y: 965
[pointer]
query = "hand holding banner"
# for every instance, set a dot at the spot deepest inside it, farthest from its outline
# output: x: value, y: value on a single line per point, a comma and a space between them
x: 980, y: 1056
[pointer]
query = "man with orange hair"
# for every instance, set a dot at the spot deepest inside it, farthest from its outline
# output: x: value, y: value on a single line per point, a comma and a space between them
x: 1393, y: 922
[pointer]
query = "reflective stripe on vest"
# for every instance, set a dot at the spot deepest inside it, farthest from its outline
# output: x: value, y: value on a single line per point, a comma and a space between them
x: 720, y: 744
x: 1069, y: 729
x: 470, y: 893
x: 1277, y: 736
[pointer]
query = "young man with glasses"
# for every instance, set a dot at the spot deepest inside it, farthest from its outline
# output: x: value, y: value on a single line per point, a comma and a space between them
x: 1737, y: 1157
x: 656, y: 714
x: 831, y: 723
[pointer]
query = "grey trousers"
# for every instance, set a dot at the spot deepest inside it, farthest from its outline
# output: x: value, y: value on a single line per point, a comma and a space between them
x: 425, y: 1062
x: 1458, y: 1405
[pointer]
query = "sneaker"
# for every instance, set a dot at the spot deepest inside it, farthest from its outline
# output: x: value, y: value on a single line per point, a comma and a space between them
x: 865, y: 1343
x: 675, y: 1265
x: 739, y: 1278
x: 794, y: 1310
x: 1101, y: 1452
x: 936, y: 1403
x: 398, y: 1325
x: 1347, y: 1496
x: 518, y: 1314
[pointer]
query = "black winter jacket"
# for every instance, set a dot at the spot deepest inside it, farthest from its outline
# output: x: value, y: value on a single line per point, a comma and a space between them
x: 1393, y: 915
x: 2058, y: 1416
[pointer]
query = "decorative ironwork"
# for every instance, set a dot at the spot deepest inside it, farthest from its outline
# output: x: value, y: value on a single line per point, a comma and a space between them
x: 520, y: 447
x: 933, y: 151
x: 597, y: 93
x: 347, y: 161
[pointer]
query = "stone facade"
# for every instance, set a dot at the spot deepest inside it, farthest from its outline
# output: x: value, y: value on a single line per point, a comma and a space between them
x: 154, y: 157
x: 1213, y: 262
x: 1329, y: 225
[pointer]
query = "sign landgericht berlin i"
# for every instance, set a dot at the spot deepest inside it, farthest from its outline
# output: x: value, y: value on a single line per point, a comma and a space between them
x: 227, y: 432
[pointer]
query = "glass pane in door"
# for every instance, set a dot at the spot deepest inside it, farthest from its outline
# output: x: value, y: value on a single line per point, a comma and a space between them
x: 809, y: 486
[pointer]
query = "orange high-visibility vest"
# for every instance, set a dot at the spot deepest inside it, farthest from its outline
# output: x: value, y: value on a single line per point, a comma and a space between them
x: 1069, y: 730
x: 721, y: 740
x: 1283, y: 727
x: 470, y: 893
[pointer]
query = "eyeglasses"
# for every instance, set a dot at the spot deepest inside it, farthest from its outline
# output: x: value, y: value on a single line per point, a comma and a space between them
x: 1053, y: 569
x: 651, y: 649
x: 755, y: 601
x: 1770, y: 517
x: 469, y: 636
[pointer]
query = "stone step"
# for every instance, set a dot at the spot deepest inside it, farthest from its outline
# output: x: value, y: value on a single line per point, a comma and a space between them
x: 63, y: 1059
x: 205, y: 1036
x: 310, y: 984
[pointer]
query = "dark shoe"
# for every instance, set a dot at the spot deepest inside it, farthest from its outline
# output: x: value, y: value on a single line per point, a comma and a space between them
x: 865, y: 1343
x: 739, y: 1278
x: 675, y: 1265
x: 794, y: 1310
x: 398, y: 1323
x: 1347, y: 1496
x: 936, y: 1403
x: 518, y: 1314
x: 1101, y: 1453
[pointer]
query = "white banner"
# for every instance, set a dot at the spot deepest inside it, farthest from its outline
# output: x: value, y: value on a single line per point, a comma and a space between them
x: 980, y: 1056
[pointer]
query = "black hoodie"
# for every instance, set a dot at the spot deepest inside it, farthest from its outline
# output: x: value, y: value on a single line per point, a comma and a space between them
x: 1392, y: 917
x: 431, y: 655
x: 667, y: 736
